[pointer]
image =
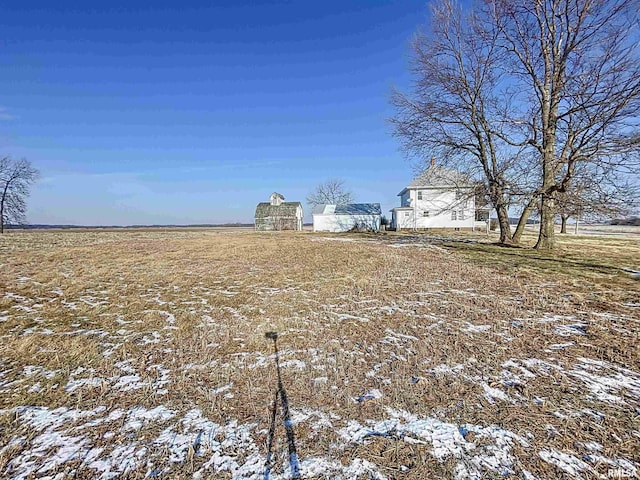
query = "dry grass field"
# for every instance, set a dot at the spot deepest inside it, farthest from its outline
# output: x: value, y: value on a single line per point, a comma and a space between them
x: 142, y: 354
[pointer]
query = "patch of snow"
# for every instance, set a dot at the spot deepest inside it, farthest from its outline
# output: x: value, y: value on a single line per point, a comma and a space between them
x: 317, y: 418
x: 222, y: 389
x: 92, y: 301
x: 568, y: 330
x: 332, y: 239
x: 30, y: 370
x: 561, y: 346
x: 471, y: 328
x: 73, y: 385
x: 400, y: 335
x: 35, y: 388
x: 153, y: 337
x: 491, y: 393
x: 129, y: 382
x: 492, y: 454
x: 138, y: 416
x: 370, y: 395
x: 298, y: 364
x: 346, y: 316
x: 592, y: 446
x: 607, y: 382
x: 564, y: 461
x: 444, y: 369
x: 125, y: 367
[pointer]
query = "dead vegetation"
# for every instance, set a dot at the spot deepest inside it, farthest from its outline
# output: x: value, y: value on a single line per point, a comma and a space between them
x: 389, y: 345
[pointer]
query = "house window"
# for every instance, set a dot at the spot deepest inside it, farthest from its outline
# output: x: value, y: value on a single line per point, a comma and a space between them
x: 419, y: 194
x: 425, y: 213
x: 458, y: 194
x: 454, y: 215
x: 461, y: 215
x: 482, y: 216
x: 406, y: 214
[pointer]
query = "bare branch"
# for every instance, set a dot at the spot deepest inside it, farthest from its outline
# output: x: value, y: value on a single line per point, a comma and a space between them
x: 330, y: 192
x: 16, y: 176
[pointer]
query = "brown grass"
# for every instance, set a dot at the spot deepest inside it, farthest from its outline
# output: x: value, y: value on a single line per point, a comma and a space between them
x: 95, y: 299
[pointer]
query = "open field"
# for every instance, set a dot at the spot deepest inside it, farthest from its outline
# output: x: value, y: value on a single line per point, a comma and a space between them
x: 133, y: 354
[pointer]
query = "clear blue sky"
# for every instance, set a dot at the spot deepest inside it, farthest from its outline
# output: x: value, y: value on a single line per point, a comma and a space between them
x: 180, y: 112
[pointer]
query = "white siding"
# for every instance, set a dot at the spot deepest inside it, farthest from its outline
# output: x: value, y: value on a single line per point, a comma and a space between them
x: 439, y: 204
x: 299, y: 217
x: 344, y: 223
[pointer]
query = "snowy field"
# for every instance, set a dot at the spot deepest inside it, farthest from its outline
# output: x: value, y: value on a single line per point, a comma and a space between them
x: 143, y: 355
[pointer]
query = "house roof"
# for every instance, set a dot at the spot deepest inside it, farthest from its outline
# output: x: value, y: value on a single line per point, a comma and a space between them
x: 439, y: 177
x: 285, y: 209
x: 348, y: 209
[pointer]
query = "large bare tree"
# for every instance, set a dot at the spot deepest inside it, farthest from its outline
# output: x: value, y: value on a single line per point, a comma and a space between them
x: 520, y: 93
x: 331, y: 192
x: 576, y: 63
x: 16, y: 176
x: 460, y: 106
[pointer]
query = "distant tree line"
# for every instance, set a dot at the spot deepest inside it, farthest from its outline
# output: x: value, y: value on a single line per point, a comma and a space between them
x: 631, y: 221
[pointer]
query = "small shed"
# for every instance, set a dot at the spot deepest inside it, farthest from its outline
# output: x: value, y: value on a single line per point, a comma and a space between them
x: 276, y: 214
x: 350, y: 216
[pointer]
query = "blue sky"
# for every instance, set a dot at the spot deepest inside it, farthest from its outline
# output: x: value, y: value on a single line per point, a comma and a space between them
x: 180, y: 112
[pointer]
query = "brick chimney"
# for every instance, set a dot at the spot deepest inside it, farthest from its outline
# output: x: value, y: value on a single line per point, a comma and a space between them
x: 433, y: 161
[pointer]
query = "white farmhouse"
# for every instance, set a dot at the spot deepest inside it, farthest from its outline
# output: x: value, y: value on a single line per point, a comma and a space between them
x: 343, y: 218
x: 437, y: 198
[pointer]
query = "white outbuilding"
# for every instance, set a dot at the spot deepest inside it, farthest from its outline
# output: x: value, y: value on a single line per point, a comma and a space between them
x: 350, y: 216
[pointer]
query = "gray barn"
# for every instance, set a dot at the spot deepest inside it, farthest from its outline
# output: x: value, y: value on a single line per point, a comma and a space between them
x: 276, y: 214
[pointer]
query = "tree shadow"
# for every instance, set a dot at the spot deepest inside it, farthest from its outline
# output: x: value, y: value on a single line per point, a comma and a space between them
x: 281, y: 394
x: 543, y: 261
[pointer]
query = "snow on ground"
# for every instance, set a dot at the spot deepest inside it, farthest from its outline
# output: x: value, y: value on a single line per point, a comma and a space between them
x: 108, y: 441
x: 151, y: 440
x: 63, y: 435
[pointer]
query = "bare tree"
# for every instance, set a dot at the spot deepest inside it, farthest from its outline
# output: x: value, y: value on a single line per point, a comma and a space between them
x: 331, y: 192
x: 16, y: 176
x: 592, y: 195
x: 577, y: 66
x: 522, y: 92
x: 460, y: 107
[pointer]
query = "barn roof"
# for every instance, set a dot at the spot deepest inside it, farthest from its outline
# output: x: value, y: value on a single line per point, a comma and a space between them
x: 349, y: 209
x: 285, y: 209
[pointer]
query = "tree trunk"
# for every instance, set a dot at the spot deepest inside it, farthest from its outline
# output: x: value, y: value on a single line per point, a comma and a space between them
x: 524, y: 216
x: 546, y: 237
x: 563, y: 228
x: 3, y: 199
x: 503, y: 222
